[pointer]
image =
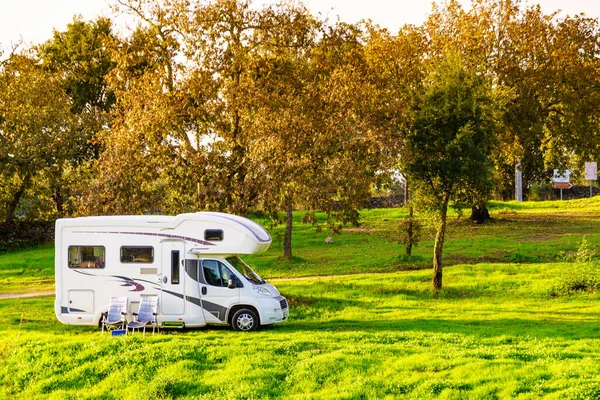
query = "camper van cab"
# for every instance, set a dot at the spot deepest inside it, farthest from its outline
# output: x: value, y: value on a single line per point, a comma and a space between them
x: 191, y: 262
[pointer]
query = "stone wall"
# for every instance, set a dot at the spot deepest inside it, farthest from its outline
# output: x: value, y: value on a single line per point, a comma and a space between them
x: 385, y: 201
x: 576, y: 192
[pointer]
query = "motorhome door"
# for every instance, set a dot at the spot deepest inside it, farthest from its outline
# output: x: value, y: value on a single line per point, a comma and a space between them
x: 172, y: 276
x: 216, y: 296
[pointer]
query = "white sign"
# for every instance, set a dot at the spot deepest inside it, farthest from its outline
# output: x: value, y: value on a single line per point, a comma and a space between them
x: 564, y: 177
x: 591, y: 171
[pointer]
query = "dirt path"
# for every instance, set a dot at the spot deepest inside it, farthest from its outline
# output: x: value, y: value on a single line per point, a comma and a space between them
x: 297, y: 278
x: 23, y: 295
x: 5, y: 296
x: 48, y: 293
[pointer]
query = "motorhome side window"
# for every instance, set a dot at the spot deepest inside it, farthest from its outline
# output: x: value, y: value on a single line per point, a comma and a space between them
x: 215, y: 273
x: 86, y: 257
x: 175, y: 267
x: 214, y: 235
x: 137, y: 254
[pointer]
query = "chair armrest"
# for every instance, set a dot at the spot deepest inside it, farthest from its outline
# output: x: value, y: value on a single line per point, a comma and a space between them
x: 123, y: 313
x: 134, y: 314
x: 155, y: 313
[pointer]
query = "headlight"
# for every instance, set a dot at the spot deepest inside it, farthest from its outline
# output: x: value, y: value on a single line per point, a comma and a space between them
x: 262, y: 291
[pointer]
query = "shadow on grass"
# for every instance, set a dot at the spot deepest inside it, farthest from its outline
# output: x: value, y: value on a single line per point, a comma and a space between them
x: 530, y: 328
x: 482, y: 328
x: 37, y: 315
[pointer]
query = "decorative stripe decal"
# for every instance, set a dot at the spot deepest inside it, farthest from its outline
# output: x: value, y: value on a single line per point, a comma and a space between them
x: 218, y: 311
x: 207, y: 305
x: 164, y: 235
x: 194, y: 300
x: 173, y: 293
x: 240, y: 221
x: 65, y: 310
x: 125, y: 281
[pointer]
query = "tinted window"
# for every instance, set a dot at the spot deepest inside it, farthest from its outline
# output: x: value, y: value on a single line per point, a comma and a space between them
x: 216, y: 273
x: 137, y: 254
x: 175, y: 267
x: 191, y: 267
x: 245, y: 270
x: 213, y: 234
x: 86, y: 257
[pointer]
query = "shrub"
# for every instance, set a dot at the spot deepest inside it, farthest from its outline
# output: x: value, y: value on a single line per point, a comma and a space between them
x: 541, y: 192
x: 581, y: 274
x: 584, y: 253
x: 410, y: 233
x: 518, y: 258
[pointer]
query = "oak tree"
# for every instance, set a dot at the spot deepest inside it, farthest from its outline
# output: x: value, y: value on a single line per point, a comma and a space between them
x: 36, y: 128
x: 448, y: 148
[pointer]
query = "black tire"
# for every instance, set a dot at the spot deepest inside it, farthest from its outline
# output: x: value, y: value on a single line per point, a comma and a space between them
x: 244, y: 320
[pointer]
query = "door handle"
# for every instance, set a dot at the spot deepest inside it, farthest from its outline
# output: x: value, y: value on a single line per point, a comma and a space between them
x: 204, y: 290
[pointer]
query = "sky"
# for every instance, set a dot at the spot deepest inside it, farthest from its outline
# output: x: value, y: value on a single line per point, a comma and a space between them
x: 34, y: 20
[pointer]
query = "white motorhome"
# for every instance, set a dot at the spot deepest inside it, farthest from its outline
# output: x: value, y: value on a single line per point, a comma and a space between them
x: 190, y: 261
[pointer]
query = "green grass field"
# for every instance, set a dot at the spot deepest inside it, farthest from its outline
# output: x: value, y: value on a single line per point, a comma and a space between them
x: 27, y: 271
x: 363, y: 323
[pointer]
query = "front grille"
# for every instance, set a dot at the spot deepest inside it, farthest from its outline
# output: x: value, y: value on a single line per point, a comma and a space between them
x: 283, y: 303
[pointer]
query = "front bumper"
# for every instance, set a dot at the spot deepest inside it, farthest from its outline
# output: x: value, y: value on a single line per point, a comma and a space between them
x: 273, y: 310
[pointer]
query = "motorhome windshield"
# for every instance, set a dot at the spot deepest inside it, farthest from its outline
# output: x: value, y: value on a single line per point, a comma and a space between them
x: 245, y: 270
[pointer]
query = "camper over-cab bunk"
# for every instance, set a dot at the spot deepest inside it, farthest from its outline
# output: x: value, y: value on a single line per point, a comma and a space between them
x: 190, y: 262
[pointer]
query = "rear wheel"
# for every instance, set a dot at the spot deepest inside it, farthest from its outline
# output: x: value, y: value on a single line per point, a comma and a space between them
x: 244, y: 320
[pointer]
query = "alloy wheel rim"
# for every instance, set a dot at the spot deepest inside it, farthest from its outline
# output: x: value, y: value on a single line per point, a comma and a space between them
x: 245, y: 322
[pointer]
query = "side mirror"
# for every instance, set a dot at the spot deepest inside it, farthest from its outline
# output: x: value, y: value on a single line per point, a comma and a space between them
x: 231, y: 284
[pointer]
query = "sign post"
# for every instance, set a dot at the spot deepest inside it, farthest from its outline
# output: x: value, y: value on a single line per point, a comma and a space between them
x: 561, y: 181
x: 591, y: 173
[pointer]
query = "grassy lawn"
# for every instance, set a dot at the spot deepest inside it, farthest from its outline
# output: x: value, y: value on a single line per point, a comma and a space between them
x: 499, y: 329
x: 26, y: 271
x: 519, y: 233
x: 494, y: 332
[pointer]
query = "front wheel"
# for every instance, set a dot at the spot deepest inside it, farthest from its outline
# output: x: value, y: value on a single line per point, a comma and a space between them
x: 244, y: 320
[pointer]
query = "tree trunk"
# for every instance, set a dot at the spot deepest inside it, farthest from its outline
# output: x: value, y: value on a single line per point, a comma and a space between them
x: 479, y: 214
x: 58, y: 201
x: 287, y: 240
x: 410, y: 226
x: 436, y: 283
x: 409, y: 231
x: 12, y: 206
